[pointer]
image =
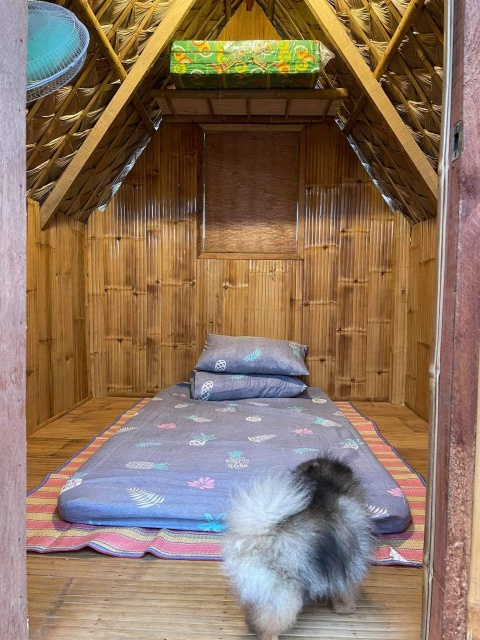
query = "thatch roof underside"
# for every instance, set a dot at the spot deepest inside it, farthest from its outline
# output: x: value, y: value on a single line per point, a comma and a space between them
x: 81, y: 144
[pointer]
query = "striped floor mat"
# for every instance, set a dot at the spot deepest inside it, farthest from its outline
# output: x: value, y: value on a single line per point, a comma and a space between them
x: 47, y: 532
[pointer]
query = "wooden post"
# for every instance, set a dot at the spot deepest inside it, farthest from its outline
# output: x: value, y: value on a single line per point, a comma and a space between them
x: 474, y: 587
x: 398, y: 364
x: 456, y: 408
x: 13, y: 37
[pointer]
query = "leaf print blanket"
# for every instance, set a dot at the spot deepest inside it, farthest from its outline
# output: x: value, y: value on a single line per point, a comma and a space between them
x: 175, y: 463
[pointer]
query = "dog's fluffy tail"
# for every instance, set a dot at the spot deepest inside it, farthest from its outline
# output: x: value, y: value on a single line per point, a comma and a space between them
x: 267, y: 502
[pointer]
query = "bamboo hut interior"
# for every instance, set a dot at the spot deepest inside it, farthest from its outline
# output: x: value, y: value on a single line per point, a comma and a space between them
x: 126, y: 275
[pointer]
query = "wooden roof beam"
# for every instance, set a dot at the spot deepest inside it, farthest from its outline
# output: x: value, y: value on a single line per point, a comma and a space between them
x: 244, y: 119
x: 339, y: 39
x: 250, y: 94
x: 171, y: 22
x: 270, y: 9
x: 113, y: 59
x: 108, y: 160
x: 388, y: 55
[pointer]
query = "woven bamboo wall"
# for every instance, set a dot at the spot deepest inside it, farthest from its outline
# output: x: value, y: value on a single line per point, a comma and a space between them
x: 57, y: 371
x: 348, y: 270
x: 421, y: 309
x: 151, y: 301
x: 141, y: 285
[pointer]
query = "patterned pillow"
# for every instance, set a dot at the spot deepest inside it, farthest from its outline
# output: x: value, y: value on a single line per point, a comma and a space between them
x: 206, y: 385
x: 245, y: 354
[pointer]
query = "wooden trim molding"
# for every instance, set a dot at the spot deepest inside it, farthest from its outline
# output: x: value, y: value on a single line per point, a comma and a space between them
x: 251, y: 127
x: 250, y: 256
x: 253, y: 94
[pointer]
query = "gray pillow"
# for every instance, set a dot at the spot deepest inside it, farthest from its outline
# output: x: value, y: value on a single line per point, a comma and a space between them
x: 245, y: 354
x: 206, y: 385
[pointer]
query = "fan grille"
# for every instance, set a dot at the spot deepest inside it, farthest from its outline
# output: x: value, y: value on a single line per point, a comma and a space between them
x: 57, y: 48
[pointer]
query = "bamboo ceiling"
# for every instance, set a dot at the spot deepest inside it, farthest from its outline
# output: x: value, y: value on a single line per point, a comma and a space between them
x: 81, y: 141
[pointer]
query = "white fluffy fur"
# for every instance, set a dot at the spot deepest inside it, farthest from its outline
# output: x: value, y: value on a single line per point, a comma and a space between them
x: 248, y: 544
x: 268, y: 500
x: 268, y: 552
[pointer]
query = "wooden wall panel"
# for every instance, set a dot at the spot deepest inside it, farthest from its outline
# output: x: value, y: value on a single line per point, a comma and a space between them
x: 57, y: 366
x: 159, y: 299
x: 248, y: 25
x: 421, y: 307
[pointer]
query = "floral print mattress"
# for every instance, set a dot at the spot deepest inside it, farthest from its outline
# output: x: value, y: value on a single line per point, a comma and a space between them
x: 175, y: 463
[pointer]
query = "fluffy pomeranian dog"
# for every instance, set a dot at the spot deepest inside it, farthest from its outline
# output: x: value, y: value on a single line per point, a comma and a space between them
x: 295, y: 538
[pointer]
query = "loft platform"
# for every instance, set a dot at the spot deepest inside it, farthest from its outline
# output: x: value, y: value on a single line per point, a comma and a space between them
x: 211, y: 105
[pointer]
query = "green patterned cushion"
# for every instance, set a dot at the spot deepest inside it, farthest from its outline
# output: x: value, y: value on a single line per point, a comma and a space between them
x: 216, y: 64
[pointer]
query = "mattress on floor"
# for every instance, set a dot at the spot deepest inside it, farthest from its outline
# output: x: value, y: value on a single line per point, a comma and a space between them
x: 175, y: 463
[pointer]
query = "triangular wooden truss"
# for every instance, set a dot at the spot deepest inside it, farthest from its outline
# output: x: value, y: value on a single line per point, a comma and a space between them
x: 324, y: 17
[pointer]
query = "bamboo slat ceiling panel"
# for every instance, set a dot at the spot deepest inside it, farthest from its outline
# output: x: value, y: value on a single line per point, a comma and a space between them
x: 401, y: 43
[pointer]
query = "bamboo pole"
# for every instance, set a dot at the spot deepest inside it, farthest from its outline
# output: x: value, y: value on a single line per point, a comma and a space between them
x: 112, y: 58
x: 406, y: 22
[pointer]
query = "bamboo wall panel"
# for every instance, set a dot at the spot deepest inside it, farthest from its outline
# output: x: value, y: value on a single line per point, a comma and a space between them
x: 147, y: 242
x: 154, y: 300
x: 421, y: 307
x: 348, y: 289
x: 250, y: 297
x: 57, y: 367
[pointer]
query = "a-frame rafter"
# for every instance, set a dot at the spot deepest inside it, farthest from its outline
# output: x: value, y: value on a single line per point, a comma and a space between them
x: 389, y: 53
x: 109, y: 52
x: 162, y: 36
x: 70, y: 176
x: 340, y: 41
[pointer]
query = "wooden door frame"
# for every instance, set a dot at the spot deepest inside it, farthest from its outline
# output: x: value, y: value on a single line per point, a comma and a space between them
x: 456, y: 371
x: 13, y: 37
x: 456, y: 367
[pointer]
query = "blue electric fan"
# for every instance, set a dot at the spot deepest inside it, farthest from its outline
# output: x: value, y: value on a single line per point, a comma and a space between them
x: 57, y: 48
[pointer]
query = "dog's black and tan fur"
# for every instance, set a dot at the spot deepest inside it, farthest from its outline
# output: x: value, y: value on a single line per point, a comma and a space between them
x: 294, y: 538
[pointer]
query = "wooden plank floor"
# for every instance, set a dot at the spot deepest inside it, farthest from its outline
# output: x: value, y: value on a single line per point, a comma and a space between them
x: 84, y: 594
